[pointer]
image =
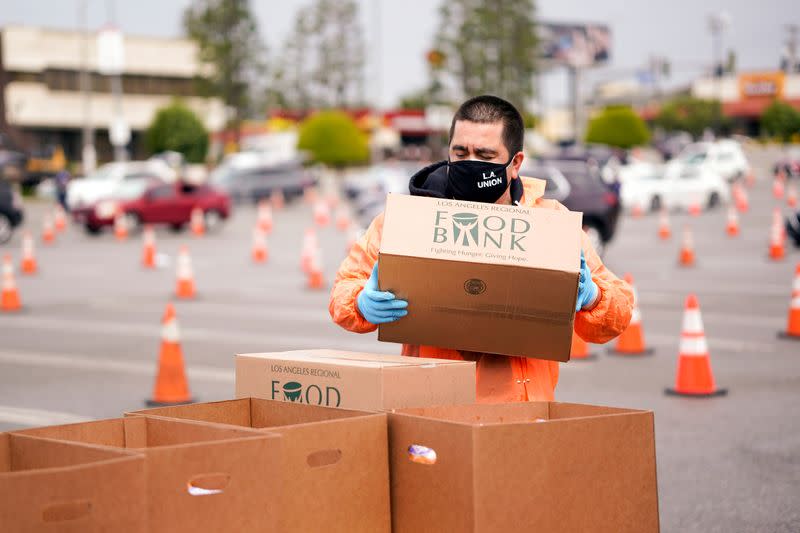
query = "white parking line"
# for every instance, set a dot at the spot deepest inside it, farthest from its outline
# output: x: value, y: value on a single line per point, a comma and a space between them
x: 79, y: 362
x: 36, y: 417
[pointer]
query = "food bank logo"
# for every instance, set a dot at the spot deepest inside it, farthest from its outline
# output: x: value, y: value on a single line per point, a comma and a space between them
x: 294, y: 391
x: 473, y: 230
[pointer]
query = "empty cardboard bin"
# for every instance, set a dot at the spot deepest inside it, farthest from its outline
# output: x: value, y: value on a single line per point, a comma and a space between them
x: 200, y: 476
x: 336, y: 473
x: 534, y: 466
x: 48, y: 486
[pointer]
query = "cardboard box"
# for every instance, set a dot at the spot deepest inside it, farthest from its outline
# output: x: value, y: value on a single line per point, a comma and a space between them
x: 370, y: 382
x: 538, y: 466
x: 48, y: 486
x: 200, y: 476
x: 481, y: 277
x: 336, y: 471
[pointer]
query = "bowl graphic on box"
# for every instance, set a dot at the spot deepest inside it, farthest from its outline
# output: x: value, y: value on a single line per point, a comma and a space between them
x: 292, y: 390
x: 465, y: 229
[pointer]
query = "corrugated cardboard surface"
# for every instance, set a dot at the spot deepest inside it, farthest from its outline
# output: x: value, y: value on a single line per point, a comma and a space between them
x: 584, y: 469
x: 241, y: 463
x: 349, y: 380
x: 481, y: 277
x: 336, y: 473
x: 48, y: 486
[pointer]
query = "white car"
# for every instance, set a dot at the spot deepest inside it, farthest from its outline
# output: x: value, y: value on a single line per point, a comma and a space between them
x: 659, y: 188
x: 724, y: 157
x: 101, y: 183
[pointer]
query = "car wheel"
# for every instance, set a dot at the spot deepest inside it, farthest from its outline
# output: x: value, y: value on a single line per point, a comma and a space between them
x: 713, y: 200
x: 212, y: 219
x: 176, y: 228
x: 596, y: 239
x: 6, y: 230
x: 93, y: 230
x: 655, y: 203
x: 133, y: 222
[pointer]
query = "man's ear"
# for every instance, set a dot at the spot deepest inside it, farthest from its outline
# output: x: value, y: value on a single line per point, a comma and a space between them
x: 516, y: 164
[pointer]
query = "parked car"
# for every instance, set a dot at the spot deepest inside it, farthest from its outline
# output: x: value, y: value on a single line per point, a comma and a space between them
x: 671, y: 145
x: 725, y: 158
x: 153, y: 201
x: 251, y: 176
x: 380, y: 178
x: 11, y: 213
x: 100, y: 185
x: 652, y: 188
x: 789, y: 163
x: 580, y: 187
x: 793, y: 227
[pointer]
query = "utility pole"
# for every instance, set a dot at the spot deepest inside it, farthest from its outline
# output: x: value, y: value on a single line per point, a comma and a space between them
x: 717, y: 23
x: 88, y: 153
x: 791, y: 48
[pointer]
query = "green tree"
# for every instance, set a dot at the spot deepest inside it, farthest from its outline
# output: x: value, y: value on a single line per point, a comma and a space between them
x: 228, y: 41
x: 618, y: 126
x: 693, y: 115
x: 489, y: 46
x: 780, y: 120
x: 333, y: 138
x: 177, y: 128
x: 322, y: 60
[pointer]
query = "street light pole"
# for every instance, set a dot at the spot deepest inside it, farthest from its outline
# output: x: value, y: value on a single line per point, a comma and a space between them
x: 88, y: 154
x: 717, y: 23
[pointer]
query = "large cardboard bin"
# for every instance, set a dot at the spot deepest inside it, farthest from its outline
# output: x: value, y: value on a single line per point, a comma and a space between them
x: 48, y: 486
x: 336, y: 472
x: 481, y: 277
x: 350, y: 380
x: 200, y: 477
x: 539, y: 466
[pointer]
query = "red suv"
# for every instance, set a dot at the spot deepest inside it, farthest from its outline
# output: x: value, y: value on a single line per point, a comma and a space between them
x: 151, y: 201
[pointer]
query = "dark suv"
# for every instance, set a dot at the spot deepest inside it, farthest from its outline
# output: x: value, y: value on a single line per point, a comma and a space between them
x: 579, y: 187
x: 10, y: 211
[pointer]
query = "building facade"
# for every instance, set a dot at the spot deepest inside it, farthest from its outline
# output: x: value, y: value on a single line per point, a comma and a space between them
x: 43, y: 106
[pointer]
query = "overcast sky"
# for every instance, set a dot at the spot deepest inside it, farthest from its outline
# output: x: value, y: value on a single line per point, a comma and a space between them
x: 676, y: 29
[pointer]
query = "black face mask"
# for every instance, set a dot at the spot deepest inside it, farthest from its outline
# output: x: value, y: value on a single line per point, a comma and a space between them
x: 477, y: 181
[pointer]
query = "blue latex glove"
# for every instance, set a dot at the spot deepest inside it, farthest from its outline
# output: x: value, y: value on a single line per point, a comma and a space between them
x: 379, y: 307
x: 587, y: 288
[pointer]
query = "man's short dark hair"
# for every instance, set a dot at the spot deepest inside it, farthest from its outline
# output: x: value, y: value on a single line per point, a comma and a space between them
x: 488, y: 109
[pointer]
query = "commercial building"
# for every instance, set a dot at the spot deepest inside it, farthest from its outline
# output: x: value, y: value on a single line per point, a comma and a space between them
x: 42, y: 105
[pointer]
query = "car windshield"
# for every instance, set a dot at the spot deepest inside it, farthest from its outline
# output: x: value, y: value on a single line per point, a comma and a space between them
x: 103, y: 173
x: 131, y: 189
x: 694, y: 158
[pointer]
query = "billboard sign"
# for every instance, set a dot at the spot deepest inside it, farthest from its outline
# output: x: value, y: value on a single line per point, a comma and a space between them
x: 575, y: 45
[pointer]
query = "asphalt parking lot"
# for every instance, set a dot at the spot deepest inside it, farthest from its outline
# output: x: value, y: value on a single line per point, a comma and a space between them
x: 86, y: 343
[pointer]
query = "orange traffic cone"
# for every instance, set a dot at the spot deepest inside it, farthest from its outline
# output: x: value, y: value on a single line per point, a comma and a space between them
x: 9, y: 299
x: 740, y: 198
x: 750, y: 179
x: 342, y: 218
x: 310, y: 244
x: 48, y: 235
x: 277, y: 199
x: 60, y: 219
x: 120, y: 226
x: 264, y: 216
x: 631, y: 342
x: 694, y: 376
x: 664, y: 231
x: 732, y: 228
x: 793, y: 321
x: 579, y: 349
x: 315, y: 280
x: 777, y: 250
x: 777, y: 186
x: 637, y: 211
x: 687, y: 249
x: 791, y: 196
x: 185, y: 287
x: 322, y: 214
x: 695, y: 209
x: 149, y: 248
x: 28, y: 264
x: 196, y: 222
x: 333, y: 200
x: 259, y: 252
x: 310, y: 195
x: 171, y: 387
